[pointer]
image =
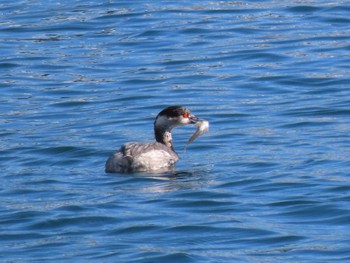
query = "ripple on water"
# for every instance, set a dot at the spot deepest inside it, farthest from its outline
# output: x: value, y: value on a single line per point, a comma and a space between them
x: 267, y: 183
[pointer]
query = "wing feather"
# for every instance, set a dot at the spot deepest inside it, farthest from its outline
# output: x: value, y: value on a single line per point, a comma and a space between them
x: 135, y: 156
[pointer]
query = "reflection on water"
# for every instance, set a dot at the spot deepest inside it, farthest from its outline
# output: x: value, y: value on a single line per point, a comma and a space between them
x: 162, y: 182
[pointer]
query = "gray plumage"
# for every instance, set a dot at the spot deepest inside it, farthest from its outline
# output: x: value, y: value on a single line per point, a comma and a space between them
x: 137, y: 156
x: 152, y: 156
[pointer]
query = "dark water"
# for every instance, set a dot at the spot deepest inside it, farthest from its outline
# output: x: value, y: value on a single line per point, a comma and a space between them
x: 269, y: 183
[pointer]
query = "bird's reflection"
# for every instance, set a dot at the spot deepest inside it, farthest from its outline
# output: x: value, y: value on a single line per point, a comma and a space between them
x: 162, y: 182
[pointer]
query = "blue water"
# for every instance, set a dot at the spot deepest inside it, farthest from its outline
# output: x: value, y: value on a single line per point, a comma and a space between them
x: 270, y: 182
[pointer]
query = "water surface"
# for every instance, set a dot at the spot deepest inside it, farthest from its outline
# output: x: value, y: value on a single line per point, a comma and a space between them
x: 269, y: 183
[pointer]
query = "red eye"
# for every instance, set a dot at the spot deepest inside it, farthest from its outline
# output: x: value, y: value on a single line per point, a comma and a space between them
x: 185, y: 115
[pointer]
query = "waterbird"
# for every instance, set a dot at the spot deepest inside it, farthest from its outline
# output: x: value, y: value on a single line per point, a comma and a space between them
x: 159, y: 155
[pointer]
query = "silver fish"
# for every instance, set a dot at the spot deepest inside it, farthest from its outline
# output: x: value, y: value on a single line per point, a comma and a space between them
x: 202, y: 127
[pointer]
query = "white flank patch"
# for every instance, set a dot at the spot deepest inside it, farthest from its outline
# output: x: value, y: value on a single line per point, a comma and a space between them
x: 153, y: 160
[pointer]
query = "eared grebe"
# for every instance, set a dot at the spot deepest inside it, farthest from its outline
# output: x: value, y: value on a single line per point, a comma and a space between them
x: 153, y: 156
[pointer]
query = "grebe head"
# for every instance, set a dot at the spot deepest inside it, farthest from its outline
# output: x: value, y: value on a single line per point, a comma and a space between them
x: 174, y: 116
x: 169, y: 118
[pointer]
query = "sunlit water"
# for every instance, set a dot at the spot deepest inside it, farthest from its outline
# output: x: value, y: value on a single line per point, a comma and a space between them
x: 269, y: 183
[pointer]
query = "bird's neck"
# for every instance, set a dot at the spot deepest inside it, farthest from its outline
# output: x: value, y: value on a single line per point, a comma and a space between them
x: 164, y: 136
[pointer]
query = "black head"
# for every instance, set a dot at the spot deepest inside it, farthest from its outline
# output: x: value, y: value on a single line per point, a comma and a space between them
x: 169, y: 118
x: 173, y: 111
x: 175, y: 116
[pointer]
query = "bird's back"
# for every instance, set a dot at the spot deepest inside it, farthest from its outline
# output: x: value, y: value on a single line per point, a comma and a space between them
x: 136, y: 156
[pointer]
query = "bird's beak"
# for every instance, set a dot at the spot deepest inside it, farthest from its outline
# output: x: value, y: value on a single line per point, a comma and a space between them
x: 193, y: 119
